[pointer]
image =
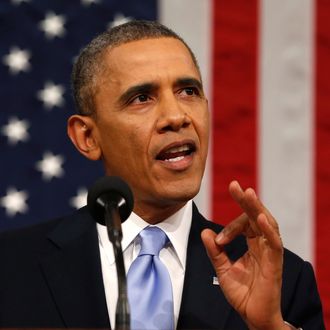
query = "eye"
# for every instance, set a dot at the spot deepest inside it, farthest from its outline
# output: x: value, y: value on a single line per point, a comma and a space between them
x: 190, y: 91
x: 142, y: 98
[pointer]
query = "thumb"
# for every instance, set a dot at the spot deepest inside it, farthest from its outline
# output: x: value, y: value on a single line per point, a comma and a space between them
x: 216, y: 253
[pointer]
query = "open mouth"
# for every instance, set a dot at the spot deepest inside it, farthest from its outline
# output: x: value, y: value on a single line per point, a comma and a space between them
x: 177, y: 152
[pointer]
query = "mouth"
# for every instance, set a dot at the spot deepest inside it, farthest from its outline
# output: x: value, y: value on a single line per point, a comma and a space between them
x: 177, y: 153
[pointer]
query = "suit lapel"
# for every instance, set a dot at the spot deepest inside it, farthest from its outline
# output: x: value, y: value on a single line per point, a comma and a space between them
x: 203, y: 304
x: 73, y: 273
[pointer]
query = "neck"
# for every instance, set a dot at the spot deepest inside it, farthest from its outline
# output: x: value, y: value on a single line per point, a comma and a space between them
x: 154, y: 214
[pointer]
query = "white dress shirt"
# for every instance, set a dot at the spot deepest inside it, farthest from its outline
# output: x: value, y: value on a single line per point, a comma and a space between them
x: 177, y: 228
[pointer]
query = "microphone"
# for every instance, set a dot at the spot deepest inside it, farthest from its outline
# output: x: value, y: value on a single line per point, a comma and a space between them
x: 110, y: 202
x: 110, y: 192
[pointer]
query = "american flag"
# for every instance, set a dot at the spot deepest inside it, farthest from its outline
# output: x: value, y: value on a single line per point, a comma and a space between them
x: 42, y: 175
x: 265, y: 66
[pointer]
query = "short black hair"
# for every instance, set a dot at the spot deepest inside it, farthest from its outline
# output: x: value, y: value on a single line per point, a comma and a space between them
x: 89, y: 62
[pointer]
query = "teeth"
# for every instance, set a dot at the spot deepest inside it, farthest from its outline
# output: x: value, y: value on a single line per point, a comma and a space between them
x: 176, y: 159
x: 178, y: 149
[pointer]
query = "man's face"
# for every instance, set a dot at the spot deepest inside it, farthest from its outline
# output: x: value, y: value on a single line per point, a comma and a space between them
x: 152, y: 123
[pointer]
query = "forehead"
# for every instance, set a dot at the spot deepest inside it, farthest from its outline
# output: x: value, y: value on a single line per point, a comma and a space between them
x: 151, y: 55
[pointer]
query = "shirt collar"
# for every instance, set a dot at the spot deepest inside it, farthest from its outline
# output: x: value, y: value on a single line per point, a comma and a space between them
x: 176, y: 227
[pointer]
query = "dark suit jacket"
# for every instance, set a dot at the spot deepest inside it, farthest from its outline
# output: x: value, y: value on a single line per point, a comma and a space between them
x: 51, y: 278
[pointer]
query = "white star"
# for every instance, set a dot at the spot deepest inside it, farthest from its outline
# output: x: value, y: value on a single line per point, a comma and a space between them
x: 53, y: 25
x: 18, y: 2
x: 50, y: 166
x: 89, y: 2
x: 15, y: 201
x: 16, y: 130
x: 51, y: 95
x: 80, y: 199
x: 17, y: 60
x: 119, y: 19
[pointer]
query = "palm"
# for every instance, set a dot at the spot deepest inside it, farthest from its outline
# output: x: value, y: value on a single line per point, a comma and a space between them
x: 248, y: 283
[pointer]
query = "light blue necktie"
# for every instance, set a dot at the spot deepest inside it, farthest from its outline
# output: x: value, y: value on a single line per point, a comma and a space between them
x: 149, y: 285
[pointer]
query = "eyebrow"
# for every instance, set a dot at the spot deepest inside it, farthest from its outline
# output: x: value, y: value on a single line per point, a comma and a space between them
x: 137, y: 89
x: 148, y: 88
x: 188, y: 81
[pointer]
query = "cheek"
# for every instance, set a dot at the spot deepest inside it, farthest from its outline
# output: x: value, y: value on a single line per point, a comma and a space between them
x: 202, y: 127
x: 129, y: 141
x: 138, y: 135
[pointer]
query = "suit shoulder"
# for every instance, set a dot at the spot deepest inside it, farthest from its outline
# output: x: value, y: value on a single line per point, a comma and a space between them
x: 294, y: 266
x: 33, y: 237
x: 22, y: 236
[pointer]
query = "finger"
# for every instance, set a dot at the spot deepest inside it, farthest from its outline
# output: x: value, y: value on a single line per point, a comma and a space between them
x: 270, y: 233
x: 247, y: 200
x: 237, y: 227
x: 251, y: 204
x: 257, y: 207
x: 216, y: 253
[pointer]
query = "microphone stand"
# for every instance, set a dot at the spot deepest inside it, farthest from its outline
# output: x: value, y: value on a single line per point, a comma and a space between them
x: 113, y: 223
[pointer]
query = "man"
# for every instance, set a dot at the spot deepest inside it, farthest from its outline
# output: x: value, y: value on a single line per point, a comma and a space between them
x: 143, y: 112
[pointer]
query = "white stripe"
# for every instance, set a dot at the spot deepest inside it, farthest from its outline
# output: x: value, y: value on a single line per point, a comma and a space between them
x: 286, y: 119
x: 192, y: 20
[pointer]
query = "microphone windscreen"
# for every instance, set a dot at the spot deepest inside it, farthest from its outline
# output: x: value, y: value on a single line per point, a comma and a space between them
x: 109, y: 189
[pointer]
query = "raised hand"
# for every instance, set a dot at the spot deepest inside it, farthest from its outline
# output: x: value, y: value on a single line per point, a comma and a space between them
x: 252, y: 284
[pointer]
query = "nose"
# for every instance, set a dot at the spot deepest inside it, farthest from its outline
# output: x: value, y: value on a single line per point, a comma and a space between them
x: 172, y: 115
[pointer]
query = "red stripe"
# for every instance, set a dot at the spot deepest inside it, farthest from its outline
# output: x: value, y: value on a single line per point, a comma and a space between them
x: 234, y: 101
x: 322, y: 129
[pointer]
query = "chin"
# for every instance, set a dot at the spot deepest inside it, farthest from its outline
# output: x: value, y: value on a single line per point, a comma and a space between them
x: 181, y: 194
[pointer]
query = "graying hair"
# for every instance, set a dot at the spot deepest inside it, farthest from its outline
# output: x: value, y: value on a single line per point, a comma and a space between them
x: 89, y: 63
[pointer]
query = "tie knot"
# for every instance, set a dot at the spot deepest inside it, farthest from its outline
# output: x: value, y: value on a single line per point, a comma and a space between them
x: 153, y: 239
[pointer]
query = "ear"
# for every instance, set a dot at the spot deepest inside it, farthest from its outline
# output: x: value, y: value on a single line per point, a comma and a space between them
x: 82, y: 132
